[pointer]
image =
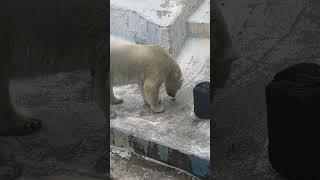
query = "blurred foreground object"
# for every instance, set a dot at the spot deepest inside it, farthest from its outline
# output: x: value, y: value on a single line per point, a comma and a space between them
x: 224, y: 51
x: 293, y: 101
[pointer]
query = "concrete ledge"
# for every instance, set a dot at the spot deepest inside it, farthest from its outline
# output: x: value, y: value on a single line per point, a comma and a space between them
x: 199, y: 21
x: 195, y: 165
x: 176, y: 137
x: 130, y: 165
x: 161, y: 22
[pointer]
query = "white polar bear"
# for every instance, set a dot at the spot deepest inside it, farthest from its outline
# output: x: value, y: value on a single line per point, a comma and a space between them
x: 147, y: 65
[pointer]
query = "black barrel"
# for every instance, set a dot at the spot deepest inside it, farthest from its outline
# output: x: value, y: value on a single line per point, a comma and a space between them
x: 293, y: 109
x: 201, y: 98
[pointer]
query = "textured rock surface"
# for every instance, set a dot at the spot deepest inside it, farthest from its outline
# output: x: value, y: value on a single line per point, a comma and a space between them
x: 153, y: 21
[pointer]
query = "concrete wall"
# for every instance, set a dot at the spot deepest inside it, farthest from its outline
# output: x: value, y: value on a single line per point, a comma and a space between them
x: 170, y: 32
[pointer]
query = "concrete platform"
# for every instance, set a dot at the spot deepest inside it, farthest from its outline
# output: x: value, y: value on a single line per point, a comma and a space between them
x: 161, y: 22
x: 175, y: 137
x: 129, y: 165
x: 199, y: 21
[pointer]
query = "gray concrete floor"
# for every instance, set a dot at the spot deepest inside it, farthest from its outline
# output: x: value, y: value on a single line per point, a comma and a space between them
x: 271, y: 35
x: 72, y: 141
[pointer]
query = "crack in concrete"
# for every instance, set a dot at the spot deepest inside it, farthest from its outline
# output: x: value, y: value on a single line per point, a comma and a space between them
x: 196, y: 75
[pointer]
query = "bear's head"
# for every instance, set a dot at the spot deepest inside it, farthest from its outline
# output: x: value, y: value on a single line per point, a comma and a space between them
x: 174, y: 82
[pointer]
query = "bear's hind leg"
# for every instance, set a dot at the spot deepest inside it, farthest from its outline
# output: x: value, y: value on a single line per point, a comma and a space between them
x: 141, y: 85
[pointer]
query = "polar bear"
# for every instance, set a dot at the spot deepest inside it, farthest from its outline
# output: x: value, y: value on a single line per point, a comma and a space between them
x: 42, y: 37
x: 147, y: 65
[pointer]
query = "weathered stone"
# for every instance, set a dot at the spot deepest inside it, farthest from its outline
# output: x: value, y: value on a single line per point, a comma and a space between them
x: 199, y: 21
x: 162, y: 22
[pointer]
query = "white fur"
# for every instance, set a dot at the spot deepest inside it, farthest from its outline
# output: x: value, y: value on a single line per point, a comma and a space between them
x: 147, y: 65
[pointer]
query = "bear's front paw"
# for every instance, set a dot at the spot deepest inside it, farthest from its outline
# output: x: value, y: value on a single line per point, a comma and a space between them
x: 157, y: 109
